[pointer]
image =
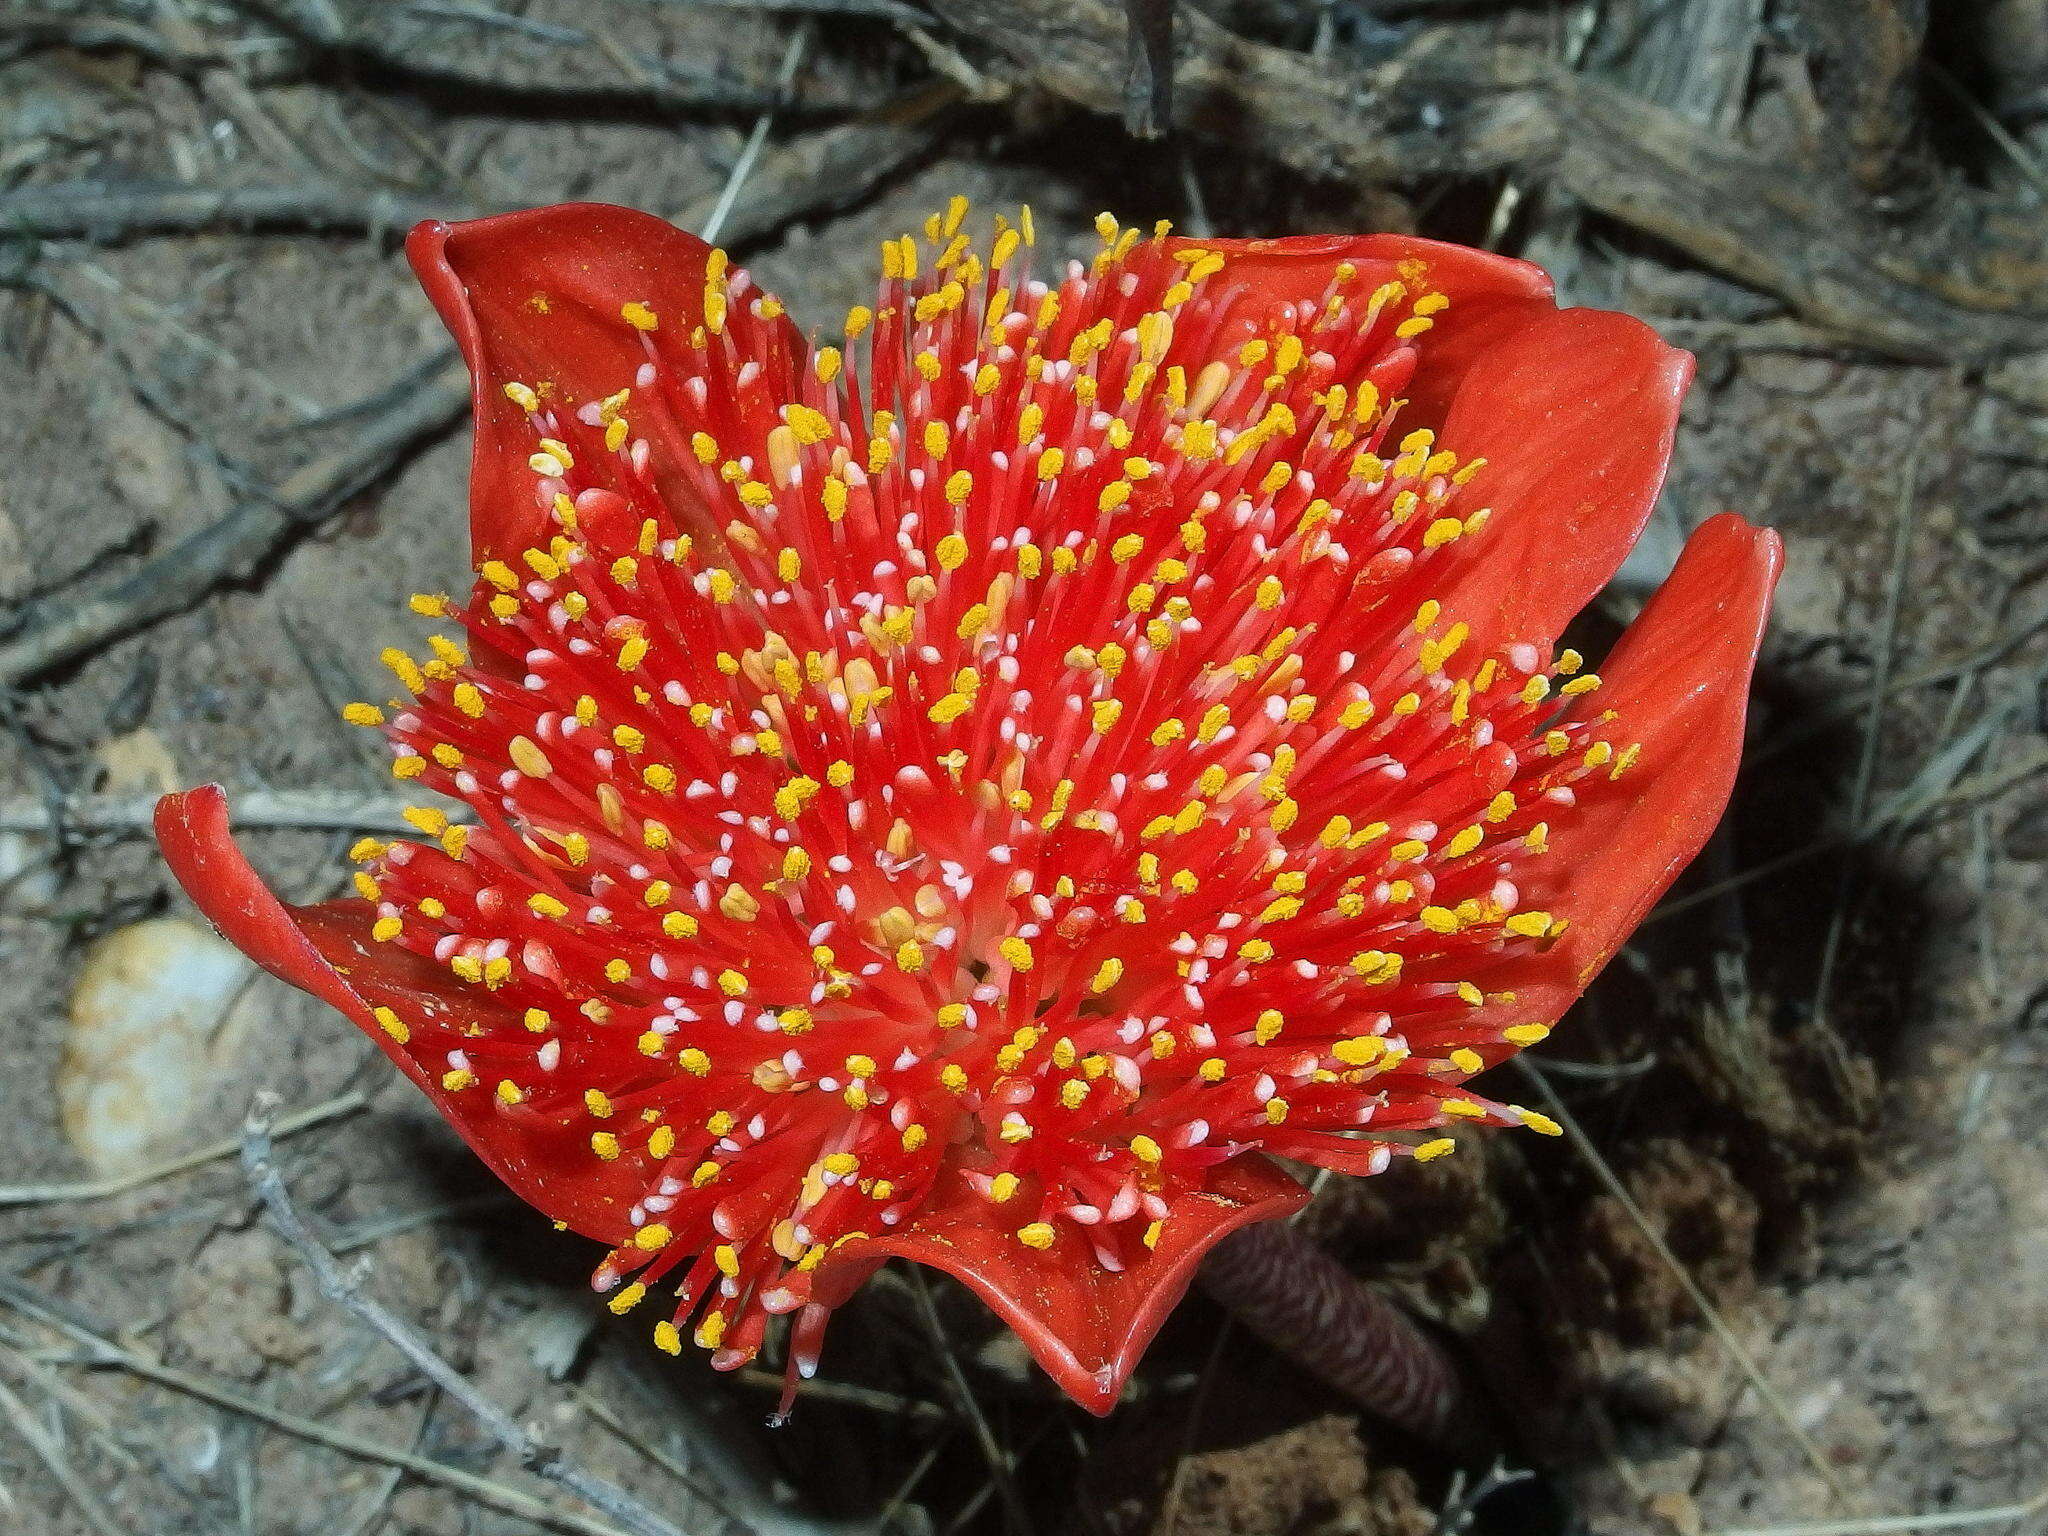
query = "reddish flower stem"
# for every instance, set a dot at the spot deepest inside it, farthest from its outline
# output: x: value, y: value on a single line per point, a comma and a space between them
x: 1285, y: 1288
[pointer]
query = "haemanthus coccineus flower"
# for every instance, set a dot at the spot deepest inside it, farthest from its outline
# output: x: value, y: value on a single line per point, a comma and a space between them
x: 981, y: 793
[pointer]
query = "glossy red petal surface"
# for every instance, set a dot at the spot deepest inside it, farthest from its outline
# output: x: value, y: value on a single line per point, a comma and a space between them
x: 1297, y: 267
x: 1084, y: 1324
x: 1574, y: 414
x: 326, y: 950
x: 1679, y: 683
x: 1490, y: 296
x: 535, y: 298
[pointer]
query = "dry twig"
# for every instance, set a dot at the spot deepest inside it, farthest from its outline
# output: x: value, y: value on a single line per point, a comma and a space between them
x: 1902, y: 1525
x: 107, y: 212
x: 98, y: 1189
x: 435, y: 48
x: 232, y: 548
x: 102, y: 1351
x: 50, y: 1451
x: 542, y: 1460
x: 1430, y: 109
x: 834, y: 169
x: 1703, y: 1303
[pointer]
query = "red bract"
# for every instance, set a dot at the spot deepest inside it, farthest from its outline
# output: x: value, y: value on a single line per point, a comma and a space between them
x: 978, y: 794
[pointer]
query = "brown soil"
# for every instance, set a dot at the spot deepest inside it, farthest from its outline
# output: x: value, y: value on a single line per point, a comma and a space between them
x: 1821, y: 1088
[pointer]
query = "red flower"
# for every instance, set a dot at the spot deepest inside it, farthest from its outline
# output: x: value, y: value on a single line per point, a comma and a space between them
x: 974, y: 795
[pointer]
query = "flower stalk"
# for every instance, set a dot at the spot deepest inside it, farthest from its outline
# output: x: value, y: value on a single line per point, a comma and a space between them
x: 1284, y: 1287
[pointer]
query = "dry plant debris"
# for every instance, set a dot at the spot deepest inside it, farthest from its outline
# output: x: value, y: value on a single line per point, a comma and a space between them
x: 231, y: 446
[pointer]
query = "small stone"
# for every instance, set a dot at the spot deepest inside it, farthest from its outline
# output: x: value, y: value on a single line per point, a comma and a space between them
x: 138, y: 762
x: 1678, y: 1511
x: 28, y: 874
x: 135, y: 1068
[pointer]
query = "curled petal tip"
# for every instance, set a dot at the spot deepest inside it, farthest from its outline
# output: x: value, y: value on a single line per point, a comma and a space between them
x: 421, y: 239
x: 327, y: 951
x: 1762, y: 544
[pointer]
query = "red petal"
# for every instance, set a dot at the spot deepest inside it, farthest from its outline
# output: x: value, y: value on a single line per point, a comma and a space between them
x: 1679, y: 683
x: 1574, y: 414
x: 327, y: 950
x: 1491, y: 296
x: 1573, y: 410
x: 1084, y: 1324
x: 534, y: 298
x: 1296, y: 267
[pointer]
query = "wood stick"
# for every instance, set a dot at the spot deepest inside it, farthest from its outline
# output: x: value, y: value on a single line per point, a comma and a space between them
x: 543, y: 1461
x: 812, y: 177
x: 1806, y: 240
x: 108, y: 212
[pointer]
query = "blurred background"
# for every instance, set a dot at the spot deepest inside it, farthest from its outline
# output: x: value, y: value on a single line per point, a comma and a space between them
x: 1796, y: 1273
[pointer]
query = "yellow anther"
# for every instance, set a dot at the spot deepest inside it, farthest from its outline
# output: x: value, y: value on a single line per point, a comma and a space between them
x: 1359, y: 1051
x: 626, y: 1299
